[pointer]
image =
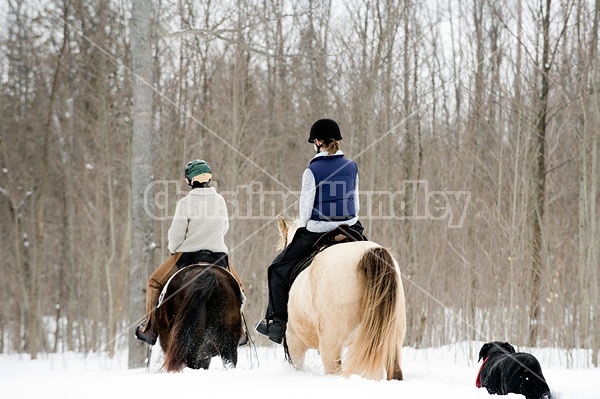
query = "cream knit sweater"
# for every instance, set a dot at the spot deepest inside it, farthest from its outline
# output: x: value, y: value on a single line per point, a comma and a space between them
x: 200, y: 222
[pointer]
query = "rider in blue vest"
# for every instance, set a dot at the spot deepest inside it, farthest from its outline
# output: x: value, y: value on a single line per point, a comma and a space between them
x: 329, y: 198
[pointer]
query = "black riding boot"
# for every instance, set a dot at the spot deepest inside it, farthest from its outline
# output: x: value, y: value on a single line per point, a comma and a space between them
x: 146, y: 333
x: 273, y: 329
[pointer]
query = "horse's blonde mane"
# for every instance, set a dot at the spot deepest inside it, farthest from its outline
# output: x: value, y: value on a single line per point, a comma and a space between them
x: 281, y: 243
x: 284, y: 225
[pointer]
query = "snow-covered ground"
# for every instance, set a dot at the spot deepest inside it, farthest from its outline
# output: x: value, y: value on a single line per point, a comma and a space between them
x: 445, y: 372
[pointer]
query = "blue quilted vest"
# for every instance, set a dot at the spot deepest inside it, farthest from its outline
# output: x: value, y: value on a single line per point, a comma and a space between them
x: 335, y: 180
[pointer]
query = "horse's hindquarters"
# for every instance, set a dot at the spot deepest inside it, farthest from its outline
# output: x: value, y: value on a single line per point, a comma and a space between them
x: 327, y: 305
x: 200, y: 319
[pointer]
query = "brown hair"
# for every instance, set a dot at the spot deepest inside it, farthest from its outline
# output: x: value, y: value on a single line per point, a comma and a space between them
x: 331, y: 146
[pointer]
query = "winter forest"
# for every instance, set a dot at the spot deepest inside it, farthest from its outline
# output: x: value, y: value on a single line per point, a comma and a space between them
x: 474, y: 125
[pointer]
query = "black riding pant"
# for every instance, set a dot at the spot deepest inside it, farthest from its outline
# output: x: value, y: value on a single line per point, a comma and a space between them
x: 280, y: 271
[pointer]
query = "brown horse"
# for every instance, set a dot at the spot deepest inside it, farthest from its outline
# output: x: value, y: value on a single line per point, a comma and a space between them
x: 200, y: 318
x: 350, y: 297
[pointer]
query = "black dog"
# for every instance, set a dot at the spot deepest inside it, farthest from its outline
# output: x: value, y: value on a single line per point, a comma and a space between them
x: 503, y: 371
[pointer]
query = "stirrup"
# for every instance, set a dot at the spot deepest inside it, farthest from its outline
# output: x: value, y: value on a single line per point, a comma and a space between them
x: 262, y: 327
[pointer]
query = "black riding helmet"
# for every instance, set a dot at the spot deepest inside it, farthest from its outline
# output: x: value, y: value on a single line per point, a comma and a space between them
x: 324, y: 129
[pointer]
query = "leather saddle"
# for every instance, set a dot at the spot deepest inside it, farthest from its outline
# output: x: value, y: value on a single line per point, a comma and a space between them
x: 342, y: 233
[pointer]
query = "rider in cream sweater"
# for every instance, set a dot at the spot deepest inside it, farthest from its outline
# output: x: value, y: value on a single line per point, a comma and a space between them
x: 196, y: 235
x: 200, y: 222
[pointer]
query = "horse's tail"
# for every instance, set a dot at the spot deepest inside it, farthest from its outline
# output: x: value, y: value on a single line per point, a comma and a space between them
x: 379, y: 340
x: 190, y: 317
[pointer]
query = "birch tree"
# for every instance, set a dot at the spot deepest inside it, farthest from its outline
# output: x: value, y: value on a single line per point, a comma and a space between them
x: 142, y: 228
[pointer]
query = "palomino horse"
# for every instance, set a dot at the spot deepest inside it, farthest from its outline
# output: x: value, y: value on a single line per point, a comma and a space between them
x: 350, y: 297
x: 200, y: 318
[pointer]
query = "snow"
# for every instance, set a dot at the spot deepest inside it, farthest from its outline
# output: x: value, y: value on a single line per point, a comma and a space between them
x: 445, y: 372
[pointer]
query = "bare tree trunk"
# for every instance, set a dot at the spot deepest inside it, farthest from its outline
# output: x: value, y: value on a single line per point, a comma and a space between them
x: 142, y: 235
x: 67, y: 244
x: 475, y: 137
x: 594, y: 189
x: 539, y: 179
x: 66, y: 249
x: 410, y: 131
x: 515, y: 228
x: 110, y: 262
x: 594, y: 242
x: 33, y: 323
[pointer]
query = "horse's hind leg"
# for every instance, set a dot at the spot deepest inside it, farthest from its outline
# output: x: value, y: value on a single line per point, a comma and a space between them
x: 199, y: 364
x: 396, y: 373
x: 229, y: 354
x: 331, y: 355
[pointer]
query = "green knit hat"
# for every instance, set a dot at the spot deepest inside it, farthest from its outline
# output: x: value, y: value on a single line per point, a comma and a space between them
x: 198, y: 170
